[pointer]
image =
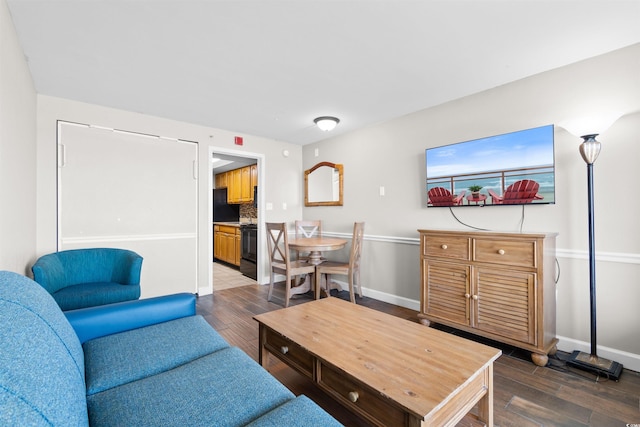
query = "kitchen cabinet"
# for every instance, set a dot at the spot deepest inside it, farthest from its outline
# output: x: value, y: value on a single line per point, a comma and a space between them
x: 227, y: 244
x: 234, y: 181
x: 254, y: 175
x: 246, y: 190
x: 497, y: 285
x: 221, y: 180
x: 240, y: 184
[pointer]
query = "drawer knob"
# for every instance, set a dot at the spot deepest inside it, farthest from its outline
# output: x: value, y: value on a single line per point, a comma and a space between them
x: 284, y: 349
x: 501, y: 251
x: 475, y: 297
x: 467, y: 295
x: 353, y: 396
x: 444, y: 246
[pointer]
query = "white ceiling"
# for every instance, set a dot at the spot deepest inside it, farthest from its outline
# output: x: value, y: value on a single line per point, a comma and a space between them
x: 268, y: 67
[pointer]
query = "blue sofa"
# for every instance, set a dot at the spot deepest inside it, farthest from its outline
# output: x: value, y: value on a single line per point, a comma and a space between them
x: 150, y: 362
x: 80, y: 278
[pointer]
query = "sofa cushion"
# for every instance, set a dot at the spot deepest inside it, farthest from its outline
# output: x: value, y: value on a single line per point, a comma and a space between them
x: 94, y: 294
x: 129, y: 356
x: 225, y: 388
x: 299, y: 412
x: 41, y: 359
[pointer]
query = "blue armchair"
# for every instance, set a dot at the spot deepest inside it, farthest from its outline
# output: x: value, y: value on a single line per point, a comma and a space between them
x: 82, y: 278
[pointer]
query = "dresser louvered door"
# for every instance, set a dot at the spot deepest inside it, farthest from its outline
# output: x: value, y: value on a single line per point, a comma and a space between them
x: 446, y: 295
x: 505, y: 303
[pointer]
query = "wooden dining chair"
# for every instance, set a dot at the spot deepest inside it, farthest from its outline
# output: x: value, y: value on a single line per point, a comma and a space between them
x: 306, y: 229
x: 350, y: 269
x: 280, y: 261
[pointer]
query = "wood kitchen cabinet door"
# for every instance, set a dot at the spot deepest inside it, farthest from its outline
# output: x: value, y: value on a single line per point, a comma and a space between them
x: 246, y: 190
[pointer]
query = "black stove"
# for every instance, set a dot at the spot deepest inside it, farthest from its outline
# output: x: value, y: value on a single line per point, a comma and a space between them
x: 249, y: 250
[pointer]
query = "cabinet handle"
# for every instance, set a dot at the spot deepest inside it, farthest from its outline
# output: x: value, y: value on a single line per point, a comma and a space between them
x: 501, y: 251
x: 467, y: 295
x: 284, y: 349
x: 353, y: 396
x: 444, y: 246
x: 475, y: 297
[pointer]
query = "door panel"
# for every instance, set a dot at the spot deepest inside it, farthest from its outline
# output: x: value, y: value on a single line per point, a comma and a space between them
x: 131, y: 191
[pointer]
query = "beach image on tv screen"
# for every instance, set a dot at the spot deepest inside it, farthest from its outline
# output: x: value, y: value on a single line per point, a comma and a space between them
x: 513, y: 168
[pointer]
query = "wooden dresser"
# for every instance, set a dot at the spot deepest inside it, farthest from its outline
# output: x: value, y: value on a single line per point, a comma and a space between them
x: 497, y: 285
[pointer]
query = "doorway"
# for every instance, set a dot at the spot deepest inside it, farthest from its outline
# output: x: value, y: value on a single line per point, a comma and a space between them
x: 222, y: 274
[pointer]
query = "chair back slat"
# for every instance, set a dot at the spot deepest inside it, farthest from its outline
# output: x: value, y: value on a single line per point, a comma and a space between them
x: 277, y: 243
x: 308, y: 228
x: 356, y: 246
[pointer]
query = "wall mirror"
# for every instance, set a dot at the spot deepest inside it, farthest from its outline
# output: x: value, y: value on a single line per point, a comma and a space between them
x: 323, y: 185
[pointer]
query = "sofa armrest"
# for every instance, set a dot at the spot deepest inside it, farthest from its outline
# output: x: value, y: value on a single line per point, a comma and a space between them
x: 95, y: 322
x: 49, y: 273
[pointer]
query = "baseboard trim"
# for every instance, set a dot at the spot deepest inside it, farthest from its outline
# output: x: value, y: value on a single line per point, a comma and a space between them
x: 385, y: 297
x: 628, y: 360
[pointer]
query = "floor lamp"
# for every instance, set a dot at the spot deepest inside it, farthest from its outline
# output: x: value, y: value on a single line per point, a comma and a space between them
x: 589, y: 149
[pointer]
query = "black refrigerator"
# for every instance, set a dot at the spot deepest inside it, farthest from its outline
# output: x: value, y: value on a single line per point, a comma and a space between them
x: 222, y: 211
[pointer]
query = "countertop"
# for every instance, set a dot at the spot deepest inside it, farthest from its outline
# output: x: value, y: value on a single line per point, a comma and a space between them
x: 232, y: 223
x: 228, y: 223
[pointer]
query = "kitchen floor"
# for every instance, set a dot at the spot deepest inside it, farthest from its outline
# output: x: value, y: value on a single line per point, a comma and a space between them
x: 226, y: 277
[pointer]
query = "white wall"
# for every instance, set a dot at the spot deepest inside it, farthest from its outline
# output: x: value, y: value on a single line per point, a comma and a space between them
x: 280, y: 176
x: 391, y: 154
x: 17, y: 152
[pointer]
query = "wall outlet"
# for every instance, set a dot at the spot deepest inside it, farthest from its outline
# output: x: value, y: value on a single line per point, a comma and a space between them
x: 269, y: 206
x: 284, y: 206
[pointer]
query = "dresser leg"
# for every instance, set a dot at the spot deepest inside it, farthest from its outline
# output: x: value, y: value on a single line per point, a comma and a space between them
x: 539, y: 359
x: 425, y: 322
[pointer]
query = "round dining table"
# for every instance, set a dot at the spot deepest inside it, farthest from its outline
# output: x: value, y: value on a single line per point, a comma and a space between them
x: 316, y: 245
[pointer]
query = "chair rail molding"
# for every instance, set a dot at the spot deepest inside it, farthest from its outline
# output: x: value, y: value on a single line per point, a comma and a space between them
x: 619, y: 257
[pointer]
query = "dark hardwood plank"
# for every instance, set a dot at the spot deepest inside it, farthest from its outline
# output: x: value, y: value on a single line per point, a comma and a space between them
x: 525, y: 395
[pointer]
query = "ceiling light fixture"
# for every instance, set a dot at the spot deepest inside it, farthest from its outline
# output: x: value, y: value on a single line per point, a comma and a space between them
x: 326, y: 123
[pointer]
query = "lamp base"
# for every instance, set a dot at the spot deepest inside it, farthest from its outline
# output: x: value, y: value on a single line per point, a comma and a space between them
x: 596, y: 365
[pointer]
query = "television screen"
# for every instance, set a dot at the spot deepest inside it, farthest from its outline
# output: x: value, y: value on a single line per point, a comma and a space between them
x: 512, y: 169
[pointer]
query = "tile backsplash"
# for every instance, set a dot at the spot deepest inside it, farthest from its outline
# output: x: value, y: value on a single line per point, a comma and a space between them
x: 247, y: 210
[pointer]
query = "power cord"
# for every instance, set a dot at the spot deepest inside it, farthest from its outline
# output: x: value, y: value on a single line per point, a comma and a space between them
x: 465, y: 224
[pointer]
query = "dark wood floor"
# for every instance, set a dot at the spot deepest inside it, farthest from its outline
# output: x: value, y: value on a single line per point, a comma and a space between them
x: 524, y: 395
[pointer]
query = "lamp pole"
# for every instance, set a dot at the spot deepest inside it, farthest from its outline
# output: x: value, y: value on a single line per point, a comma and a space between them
x: 590, y: 149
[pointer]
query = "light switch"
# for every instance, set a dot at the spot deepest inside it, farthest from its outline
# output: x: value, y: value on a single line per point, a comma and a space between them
x: 269, y: 206
x: 381, y: 190
x: 284, y: 206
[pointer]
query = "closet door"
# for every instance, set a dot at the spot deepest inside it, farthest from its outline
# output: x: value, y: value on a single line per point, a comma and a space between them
x: 127, y: 190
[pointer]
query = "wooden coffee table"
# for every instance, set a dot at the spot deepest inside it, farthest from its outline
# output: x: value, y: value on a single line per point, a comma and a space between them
x: 390, y: 371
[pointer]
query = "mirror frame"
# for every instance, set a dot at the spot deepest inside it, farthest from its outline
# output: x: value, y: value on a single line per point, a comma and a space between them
x: 340, y: 184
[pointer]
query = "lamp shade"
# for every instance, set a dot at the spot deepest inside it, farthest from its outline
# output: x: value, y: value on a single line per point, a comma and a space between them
x: 326, y: 123
x: 590, y: 125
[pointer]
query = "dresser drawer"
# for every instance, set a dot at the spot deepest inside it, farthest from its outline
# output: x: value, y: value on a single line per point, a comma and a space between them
x: 446, y: 247
x: 290, y: 352
x: 520, y: 253
x: 360, y: 398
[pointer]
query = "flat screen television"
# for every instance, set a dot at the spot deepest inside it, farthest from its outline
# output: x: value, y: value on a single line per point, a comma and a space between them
x: 511, y: 169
